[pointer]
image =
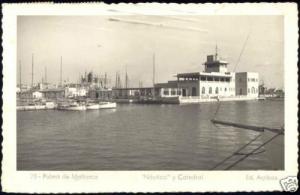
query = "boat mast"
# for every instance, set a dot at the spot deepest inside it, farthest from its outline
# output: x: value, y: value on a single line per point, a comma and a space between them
x: 32, y: 61
x: 45, y: 74
x: 20, y: 75
x: 153, y: 74
x: 105, y: 80
x: 153, y: 69
x: 60, y: 71
x: 126, y: 77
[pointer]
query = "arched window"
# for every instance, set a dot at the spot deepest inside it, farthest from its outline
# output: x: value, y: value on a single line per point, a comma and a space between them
x: 217, y: 90
x: 252, y: 90
x: 225, y: 89
x: 210, y: 90
x: 203, y: 90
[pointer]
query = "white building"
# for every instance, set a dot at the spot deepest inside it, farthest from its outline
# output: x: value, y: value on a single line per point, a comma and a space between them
x: 247, y: 84
x: 37, y: 95
x: 214, y: 82
x: 76, y: 91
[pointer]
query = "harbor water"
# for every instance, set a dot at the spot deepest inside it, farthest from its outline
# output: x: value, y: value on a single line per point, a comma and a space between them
x: 148, y: 137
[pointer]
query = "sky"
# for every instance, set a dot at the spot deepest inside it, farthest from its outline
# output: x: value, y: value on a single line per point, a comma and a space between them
x: 110, y: 44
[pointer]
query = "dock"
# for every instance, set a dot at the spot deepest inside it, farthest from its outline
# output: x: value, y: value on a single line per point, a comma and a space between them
x: 250, y: 127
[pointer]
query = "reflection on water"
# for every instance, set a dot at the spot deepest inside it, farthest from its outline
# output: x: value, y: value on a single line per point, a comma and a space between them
x: 146, y: 137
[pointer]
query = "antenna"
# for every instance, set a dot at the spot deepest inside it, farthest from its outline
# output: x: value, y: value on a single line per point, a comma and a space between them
x: 32, y: 61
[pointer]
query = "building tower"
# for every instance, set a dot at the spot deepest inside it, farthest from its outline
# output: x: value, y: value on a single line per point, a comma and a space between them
x: 214, y: 64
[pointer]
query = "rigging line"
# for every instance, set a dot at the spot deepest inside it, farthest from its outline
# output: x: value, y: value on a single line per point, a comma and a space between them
x: 244, y: 46
x: 244, y: 157
x: 233, y: 154
x: 235, y: 66
x: 251, y: 153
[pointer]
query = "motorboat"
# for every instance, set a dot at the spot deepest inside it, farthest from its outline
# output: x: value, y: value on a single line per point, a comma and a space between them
x: 106, y: 105
x: 92, y: 106
x: 72, y: 106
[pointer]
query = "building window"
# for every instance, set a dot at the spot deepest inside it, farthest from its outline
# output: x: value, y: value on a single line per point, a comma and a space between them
x: 248, y: 90
x: 179, y: 92
x: 220, y: 88
x: 225, y: 89
x: 248, y: 79
x: 166, y: 91
x: 203, y: 90
x: 227, y: 79
x: 173, y: 92
x: 210, y: 90
x: 217, y: 90
x: 252, y: 90
x: 209, y: 78
x: 222, y: 79
x: 194, y: 91
x: 241, y: 91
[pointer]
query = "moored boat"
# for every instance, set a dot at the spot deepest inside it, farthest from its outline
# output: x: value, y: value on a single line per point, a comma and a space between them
x: 106, y: 105
x: 92, y: 106
x: 72, y: 106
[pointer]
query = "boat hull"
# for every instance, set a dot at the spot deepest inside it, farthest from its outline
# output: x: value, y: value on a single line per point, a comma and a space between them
x: 108, y: 105
x: 93, y: 107
x: 76, y: 108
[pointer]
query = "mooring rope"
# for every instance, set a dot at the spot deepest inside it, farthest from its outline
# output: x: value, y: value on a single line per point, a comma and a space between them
x: 253, y: 151
x: 237, y: 151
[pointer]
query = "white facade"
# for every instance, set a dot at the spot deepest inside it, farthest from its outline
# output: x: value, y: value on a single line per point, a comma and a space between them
x: 37, y: 95
x: 76, y: 91
x: 221, y: 87
x: 247, y: 84
x: 214, y: 82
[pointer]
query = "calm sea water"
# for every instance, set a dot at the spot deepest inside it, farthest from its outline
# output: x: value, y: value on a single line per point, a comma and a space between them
x: 147, y: 137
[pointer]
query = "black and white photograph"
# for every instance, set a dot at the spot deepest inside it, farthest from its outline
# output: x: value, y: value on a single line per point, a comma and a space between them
x: 131, y: 91
x: 150, y: 93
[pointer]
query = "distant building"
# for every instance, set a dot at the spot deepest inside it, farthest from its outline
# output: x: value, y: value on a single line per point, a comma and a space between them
x: 103, y: 94
x: 132, y: 93
x: 169, y: 89
x: 75, y: 90
x: 56, y: 93
x: 37, y: 95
